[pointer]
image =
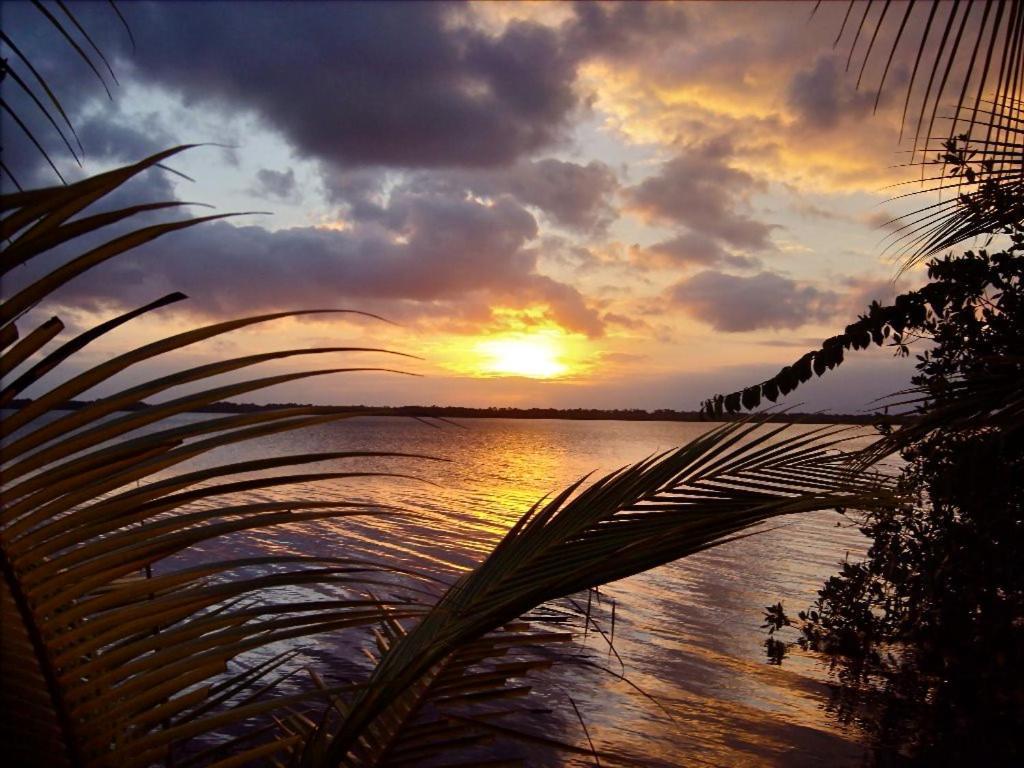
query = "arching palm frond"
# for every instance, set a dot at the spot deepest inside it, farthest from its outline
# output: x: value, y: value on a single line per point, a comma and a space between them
x: 637, y: 518
x: 109, y: 657
x: 455, y: 712
x: 975, y: 298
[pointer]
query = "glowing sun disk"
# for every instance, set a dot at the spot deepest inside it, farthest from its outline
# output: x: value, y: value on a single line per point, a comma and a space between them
x: 535, y: 357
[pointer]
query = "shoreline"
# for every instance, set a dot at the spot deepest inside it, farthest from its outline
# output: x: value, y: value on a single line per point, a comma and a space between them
x: 565, y: 414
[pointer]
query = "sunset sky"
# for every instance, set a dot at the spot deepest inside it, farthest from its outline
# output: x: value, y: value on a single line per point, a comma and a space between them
x: 562, y: 205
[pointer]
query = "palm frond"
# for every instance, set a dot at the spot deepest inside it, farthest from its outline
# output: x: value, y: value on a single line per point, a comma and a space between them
x: 981, y: 46
x: 982, y: 43
x: 111, y: 656
x: 989, y: 199
x: 8, y: 70
x: 80, y: 342
x: 453, y: 710
x: 67, y: 30
x: 637, y: 518
x: 64, y: 33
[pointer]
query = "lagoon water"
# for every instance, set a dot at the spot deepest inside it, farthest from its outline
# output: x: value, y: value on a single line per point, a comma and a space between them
x: 688, y: 634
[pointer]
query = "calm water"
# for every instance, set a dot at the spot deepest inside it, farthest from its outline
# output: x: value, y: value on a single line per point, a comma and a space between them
x: 687, y: 633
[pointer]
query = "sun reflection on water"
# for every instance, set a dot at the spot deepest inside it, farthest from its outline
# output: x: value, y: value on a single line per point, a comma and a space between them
x: 687, y: 632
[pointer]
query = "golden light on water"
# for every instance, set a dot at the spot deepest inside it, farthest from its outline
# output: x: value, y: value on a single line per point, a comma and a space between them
x: 536, y: 356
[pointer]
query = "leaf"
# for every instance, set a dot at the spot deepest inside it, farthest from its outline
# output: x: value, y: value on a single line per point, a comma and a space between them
x: 78, y: 343
x: 111, y: 663
x: 658, y: 510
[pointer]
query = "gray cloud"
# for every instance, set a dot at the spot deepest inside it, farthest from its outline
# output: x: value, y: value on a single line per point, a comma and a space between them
x: 361, y: 83
x: 765, y: 300
x: 693, y: 249
x: 613, y: 30
x: 276, y: 183
x: 571, y: 195
x: 861, y: 291
x: 699, y: 189
x: 824, y: 95
x: 361, y: 190
x: 112, y: 135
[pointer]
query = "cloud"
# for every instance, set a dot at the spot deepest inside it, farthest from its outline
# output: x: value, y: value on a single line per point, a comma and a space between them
x: 699, y: 189
x: 809, y: 210
x: 882, y: 219
x: 366, y: 83
x: 765, y: 300
x: 113, y: 135
x: 427, y: 248
x: 277, y: 183
x: 692, y: 249
x: 572, y: 195
x: 627, y: 322
x: 361, y: 190
x: 567, y: 306
x: 861, y: 291
x: 615, y: 30
x: 622, y: 357
x: 766, y: 79
x: 824, y: 95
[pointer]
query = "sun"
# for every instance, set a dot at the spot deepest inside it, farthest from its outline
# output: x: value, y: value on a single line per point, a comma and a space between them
x: 533, y: 356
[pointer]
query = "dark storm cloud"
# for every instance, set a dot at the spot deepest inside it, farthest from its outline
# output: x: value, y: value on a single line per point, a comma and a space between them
x: 357, y: 84
x: 365, y: 83
x: 765, y: 300
x: 692, y: 249
x: 72, y: 81
x: 699, y: 189
x: 360, y: 190
x: 429, y: 248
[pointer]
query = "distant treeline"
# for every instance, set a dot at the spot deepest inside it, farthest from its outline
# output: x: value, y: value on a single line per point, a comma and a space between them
x: 577, y: 414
